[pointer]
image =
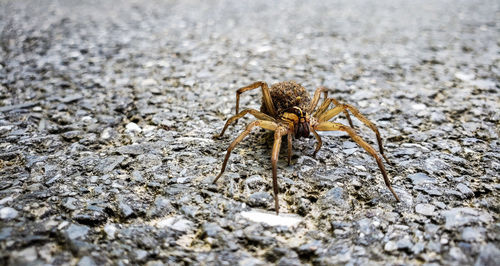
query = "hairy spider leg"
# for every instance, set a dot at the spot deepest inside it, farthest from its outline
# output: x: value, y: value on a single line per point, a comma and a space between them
x: 280, y: 132
x: 330, y: 126
x: 265, y: 93
x: 315, y: 100
x: 318, y: 138
x: 257, y: 114
x: 343, y: 108
x: 324, y: 106
x: 259, y: 123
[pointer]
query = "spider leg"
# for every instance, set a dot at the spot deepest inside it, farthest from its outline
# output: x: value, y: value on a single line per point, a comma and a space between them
x: 343, y: 108
x: 280, y: 132
x: 266, y: 96
x: 318, y: 138
x: 289, y: 137
x: 260, y: 123
x: 257, y: 114
x: 330, y: 126
x: 317, y: 95
x: 325, y: 106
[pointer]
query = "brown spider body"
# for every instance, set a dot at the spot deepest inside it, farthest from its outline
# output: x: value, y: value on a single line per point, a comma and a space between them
x: 287, y: 110
x: 290, y: 101
x: 286, y: 95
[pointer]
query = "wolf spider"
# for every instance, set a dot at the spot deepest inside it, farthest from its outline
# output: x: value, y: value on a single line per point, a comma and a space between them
x: 288, y: 110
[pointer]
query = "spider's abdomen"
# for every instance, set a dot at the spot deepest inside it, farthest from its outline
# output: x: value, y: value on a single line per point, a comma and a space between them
x: 286, y: 95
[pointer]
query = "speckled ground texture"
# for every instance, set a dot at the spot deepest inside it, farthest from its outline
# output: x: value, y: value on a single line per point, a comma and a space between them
x: 107, y: 112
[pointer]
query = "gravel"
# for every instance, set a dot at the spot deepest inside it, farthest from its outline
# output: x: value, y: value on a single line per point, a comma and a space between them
x: 108, y: 112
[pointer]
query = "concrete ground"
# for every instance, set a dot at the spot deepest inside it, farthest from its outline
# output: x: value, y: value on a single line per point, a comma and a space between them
x: 108, y: 111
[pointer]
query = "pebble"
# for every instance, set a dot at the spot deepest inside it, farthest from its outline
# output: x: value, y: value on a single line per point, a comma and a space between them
x: 464, y: 76
x: 271, y: 219
x: 69, y: 203
x: 86, y: 261
x: 133, y: 128
x: 5, y: 233
x: 421, y: 178
x: 110, y: 230
x: 176, y: 223
x: 125, y: 209
x: 488, y: 255
x: 425, y: 209
x: 463, y: 216
x: 26, y: 256
x: 8, y: 213
x: 473, y: 234
x: 335, y: 197
x: 140, y: 254
x: 457, y: 254
x: 390, y: 246
x: 75, y: 231
x: 260, y: 199
x: 310, y: 249
x: 464, y: 189
x: 211, y: 229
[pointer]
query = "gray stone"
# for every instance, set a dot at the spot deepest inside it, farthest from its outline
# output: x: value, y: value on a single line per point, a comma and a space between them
x: 108, y: 164
x: 211, y: 229
x: 463, y: 216
x: 472, y: 234
x: 465, y: 190
x: 110, y: 230
x: 5, y: 233
x: 177, y: 223
x: 25, y: 256
x: 75, y: 231
x: 140, y: 254
x: 390, y: 246
x: 69, y: 203
x: 488, y: 255
x: 457, y: 254
x: 91, y: 217
x: 418, y: 248
x: 260, y: 199
x: 125, y: 209
x: 421, y: 178
x: 425, y: 209
x: 86, y: 261
x: 335, y: 198
x: 310, y: 249
x: 254, y: 182
x: 251, y: 262
x: 8, y: 213
x: 404, y: 243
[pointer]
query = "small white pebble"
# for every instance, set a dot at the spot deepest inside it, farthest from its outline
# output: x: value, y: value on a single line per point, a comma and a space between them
x: 390, y: 246
x: 110, y: 230
x: 272, y: 219
x: 133, y: 127
x: 86, y: 118
x: 464, y: 76
x: 8, y: 213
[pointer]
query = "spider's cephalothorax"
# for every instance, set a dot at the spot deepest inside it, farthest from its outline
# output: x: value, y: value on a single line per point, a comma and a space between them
x: 299, y: 120
x: 287, y: 110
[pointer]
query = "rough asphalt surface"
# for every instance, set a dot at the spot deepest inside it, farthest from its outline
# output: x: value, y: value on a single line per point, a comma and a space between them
x: 107, y: 112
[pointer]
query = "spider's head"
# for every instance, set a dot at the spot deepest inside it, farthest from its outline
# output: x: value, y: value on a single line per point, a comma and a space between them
x: 300, y: 121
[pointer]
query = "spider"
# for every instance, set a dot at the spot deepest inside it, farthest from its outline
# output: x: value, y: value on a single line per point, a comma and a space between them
x: 288, y: 110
